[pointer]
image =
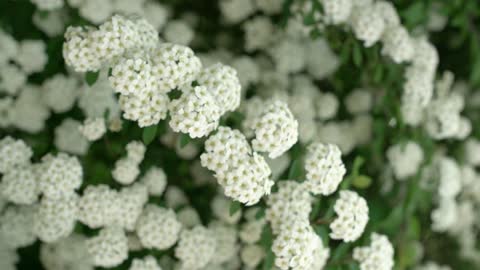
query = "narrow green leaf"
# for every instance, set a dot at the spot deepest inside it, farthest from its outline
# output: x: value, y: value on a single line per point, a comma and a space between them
x: 475, y: 73
x: 184, y: 140
x: 268, y: 262
x: 322, y: 231
x: 295, y: 170
x: 91, y: 77
x: 149, y: 134
x: 357, y: 55
x: 235, y: 207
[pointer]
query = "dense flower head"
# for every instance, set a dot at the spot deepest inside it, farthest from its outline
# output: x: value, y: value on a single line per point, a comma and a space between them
x: 352, y: 212
x: 156, y: 181
x: 109, y: 248
x: 235, y: 11
x: 31, y: 55
x: 177, y: 31
x: 59, y: 176
x: 226, y: 247
x: 20, y: 185
x: 377, y: 256
x: 291, y: 202
x: 397, y: 44
x: 196, y: 248
x: 325, y: 169
x: 60, y: 93
x: 158, y: 227
x: 295, y: 246
x: 147, y: 263
x: 276, y: 129
x: 68, y: 137
x: 13, y: 153
x: 78, y: 50
x: 388, y: 12
x: 258, y: 33
x: 174, y: 66
x: 16, y: 226
x: 222, y: 81
x: 55, y: 219
x: 195, y: 113
x: 132, y: 75
x: 367, y: 24
x: 405, y: 159
x: 98, y: 206
x: 67, y: 253
x: 337, y: 11
x: 131, y: 201
x: 93, y: 128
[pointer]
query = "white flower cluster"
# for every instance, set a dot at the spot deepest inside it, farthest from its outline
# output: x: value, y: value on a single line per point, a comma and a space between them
x: 226, y: 247
x: 243, y: 174
x: 147, y: 263
x: 60, y: 92
x: 158, y: 227
x: 16, y: 228
x: 275, y: 129
x: 93, y: 128
x: 87, y: 49
x: 378, y: 21
x: 59, y: 176
x: 352, y: 212
x: 443, y: 119
x: 127, y: 169
x: 13, y: 153
x: 68, y: 137
x: 405, y: 159
x: 68, y: 253
x: 377, y: 256
x: 195, y: 113
x: 196, y: 248
x: 446, y: 215
x: 98, y: 207
x: 296, y: 245
x: 109, y: 248
x: 325, y: 169
x: 155, y: 180
x: 55, y: 218
x: 291, y: 202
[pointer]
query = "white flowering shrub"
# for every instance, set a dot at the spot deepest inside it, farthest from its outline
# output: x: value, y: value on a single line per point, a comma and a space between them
x: 239, y: 134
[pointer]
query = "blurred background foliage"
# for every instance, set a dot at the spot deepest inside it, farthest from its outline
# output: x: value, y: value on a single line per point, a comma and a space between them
x: 403, y: 213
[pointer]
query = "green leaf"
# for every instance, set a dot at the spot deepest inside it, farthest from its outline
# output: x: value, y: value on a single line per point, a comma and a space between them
x: 266, y: 241
x: 268, y: 262
x: 184, y: 140
x: 322, y: 231
x: 357, y: 55
x: 149, y: 134
x: 475, y: 73
x: 295, y: 171
x: 340, y: 251
x: 309, y: 19
x: 235, y: 207
x: 260, y: 213
x: 415, y: 13
x: 91, y: 77
x: 362, y: 181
